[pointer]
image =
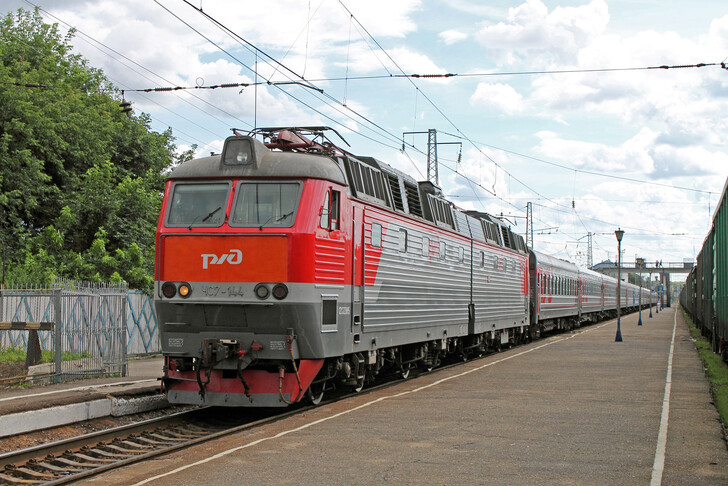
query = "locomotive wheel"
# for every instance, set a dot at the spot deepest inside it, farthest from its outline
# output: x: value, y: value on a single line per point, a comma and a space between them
x: 404, y: 370
x: 315, y: 392
x: 359, y: 386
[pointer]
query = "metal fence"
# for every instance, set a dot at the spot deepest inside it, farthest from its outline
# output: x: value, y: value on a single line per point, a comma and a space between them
x: 84, y: 329
x: 141, y: 325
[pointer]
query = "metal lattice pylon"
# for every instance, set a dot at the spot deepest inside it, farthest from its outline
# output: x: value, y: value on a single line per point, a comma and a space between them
x: 432, y: 156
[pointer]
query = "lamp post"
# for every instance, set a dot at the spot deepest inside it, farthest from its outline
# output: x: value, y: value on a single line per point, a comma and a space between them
x: 640, y: 265
x: 619, y: 234
x: 651, y: 291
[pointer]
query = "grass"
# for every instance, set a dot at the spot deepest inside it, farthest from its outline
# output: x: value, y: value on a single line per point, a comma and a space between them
x: 14, y: 354
x: 715, y: 369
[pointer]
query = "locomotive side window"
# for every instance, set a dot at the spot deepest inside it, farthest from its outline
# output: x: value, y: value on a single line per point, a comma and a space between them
x: 461, y: 254
x: 198, y: 204
x: 425, y: 246
x: 376, y: 235
x: 334, y: 210
x: 326, y: 211
x: 442, y: 250
x: 403, y: 240
x: 266, y: 204
x: 330, y: 211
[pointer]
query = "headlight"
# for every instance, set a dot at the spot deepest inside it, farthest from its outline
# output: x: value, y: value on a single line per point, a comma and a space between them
x: 237, y: 151
x: 169, y: 290
x: 280, y: 291
x: 261, y: 291
x: 184, y: 290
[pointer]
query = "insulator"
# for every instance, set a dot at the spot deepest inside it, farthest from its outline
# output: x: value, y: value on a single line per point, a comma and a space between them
x: 125, y: 107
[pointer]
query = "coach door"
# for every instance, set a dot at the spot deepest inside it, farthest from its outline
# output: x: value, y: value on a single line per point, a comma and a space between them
x: 579, y: 300
x: 357, y: 281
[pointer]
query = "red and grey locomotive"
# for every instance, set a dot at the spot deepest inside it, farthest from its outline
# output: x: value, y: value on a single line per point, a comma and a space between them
x: 288, y: 267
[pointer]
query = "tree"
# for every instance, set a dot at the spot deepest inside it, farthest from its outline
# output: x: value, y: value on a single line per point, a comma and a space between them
x: 80, y: 182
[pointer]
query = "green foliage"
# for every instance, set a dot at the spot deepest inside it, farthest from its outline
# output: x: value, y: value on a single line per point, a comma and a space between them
x: 12, y: 354
x: 80, y: 182
x: 15, y: 354
x: 716, y: 370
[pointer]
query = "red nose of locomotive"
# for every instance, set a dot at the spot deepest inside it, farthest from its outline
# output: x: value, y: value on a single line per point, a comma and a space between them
x: 223, y: 267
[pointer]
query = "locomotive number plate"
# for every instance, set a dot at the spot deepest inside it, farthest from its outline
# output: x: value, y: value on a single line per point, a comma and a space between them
x: 222, y: 291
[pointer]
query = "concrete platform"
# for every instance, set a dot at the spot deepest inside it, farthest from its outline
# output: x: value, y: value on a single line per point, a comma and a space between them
x: 30, y: 409
x: 574, y: 409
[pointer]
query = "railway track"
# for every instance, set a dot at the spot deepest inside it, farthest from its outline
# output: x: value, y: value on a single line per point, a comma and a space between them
x: 79, y: 457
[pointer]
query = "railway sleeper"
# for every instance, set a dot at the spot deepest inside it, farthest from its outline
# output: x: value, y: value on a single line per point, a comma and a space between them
x: 29, y: 474
x: 101, y: 453
x: 68, y: 461
x: 94, y: 459
x: 137, y: 448
x: 35, y: 464
x: 153, y: 443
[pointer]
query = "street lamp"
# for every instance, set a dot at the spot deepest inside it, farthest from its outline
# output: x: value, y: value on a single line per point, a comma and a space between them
x: 640, y: 265
x: 619, y: 234
x: 651, y: 291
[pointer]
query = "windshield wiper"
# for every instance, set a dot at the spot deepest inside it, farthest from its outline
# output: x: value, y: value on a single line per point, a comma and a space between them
x: 212, y: 213
x: 278, y: 219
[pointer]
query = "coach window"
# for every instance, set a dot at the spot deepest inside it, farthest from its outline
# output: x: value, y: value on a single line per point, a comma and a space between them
x: 402, y: 240
x: 376, y: 235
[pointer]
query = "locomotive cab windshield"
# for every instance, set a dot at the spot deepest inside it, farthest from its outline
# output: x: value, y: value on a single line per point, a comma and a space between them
x: 198, y: 204
x: 256, y: 204
x: 265, y: 204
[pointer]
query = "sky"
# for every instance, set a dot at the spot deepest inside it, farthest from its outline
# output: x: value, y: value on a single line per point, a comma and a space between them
x: 550, y: 101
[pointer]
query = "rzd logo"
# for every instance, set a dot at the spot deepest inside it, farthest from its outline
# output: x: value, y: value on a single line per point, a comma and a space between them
x: 235, y: 257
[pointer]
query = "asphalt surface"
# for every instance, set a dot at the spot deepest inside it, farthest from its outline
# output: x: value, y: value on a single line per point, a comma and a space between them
x: 574, y: 408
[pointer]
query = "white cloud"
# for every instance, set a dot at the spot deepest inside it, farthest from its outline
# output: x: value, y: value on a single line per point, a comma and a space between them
x: 642, y: 155
x: 532, y: 33
x: 452, y: 36
x: 362, y: 60
x: 501, y: 97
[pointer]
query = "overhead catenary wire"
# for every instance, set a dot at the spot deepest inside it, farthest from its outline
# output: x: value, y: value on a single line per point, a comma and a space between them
x: 469, y: 74
x: 118, y: 55
x: 255, y: 49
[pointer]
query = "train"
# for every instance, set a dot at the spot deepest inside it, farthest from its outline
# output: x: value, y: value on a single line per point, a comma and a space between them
x: 287, y: 267
x: 705, y: 294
